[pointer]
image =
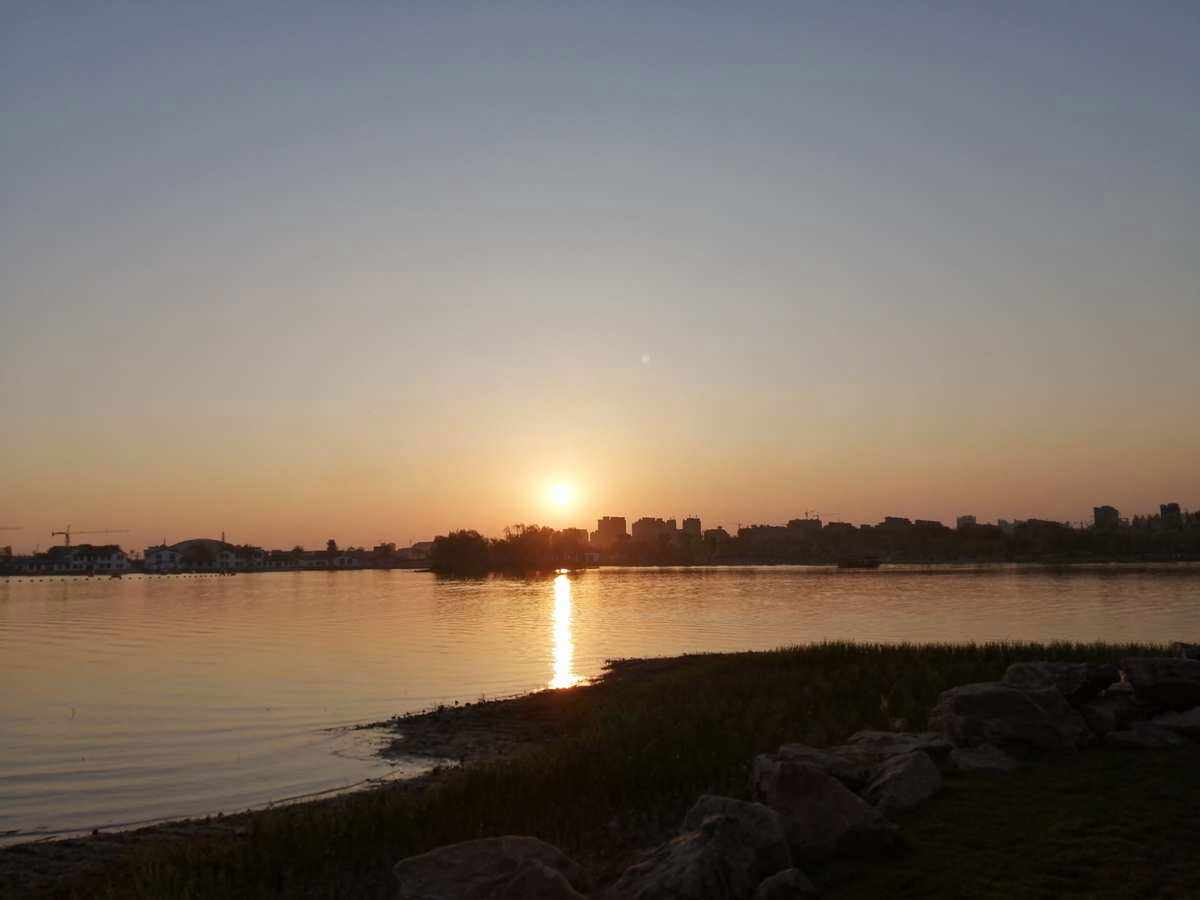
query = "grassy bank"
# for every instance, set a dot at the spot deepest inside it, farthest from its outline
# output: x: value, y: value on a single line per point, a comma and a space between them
x: 614, y: 765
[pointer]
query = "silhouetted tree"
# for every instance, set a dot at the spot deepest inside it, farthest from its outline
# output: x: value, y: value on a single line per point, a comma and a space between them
x: 460, y: 552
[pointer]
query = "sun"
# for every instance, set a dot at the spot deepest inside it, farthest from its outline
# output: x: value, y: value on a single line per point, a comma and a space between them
x: 561, y: 494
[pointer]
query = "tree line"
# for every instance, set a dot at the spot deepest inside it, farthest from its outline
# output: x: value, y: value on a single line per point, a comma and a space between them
x: 524, y: 548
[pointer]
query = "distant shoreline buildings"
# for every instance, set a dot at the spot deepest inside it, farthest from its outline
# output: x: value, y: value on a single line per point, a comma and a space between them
x: 653, y: 540
x: 660, y: 541
x: 611, y: 530
x: 212, y: 556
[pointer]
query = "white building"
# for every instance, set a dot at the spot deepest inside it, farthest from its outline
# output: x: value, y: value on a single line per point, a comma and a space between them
x: 202, y: 555
x: 81, y: 559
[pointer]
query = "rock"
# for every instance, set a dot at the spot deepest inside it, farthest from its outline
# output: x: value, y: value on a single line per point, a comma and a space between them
x: 1166, y: 682
x: 854, y: 772
x: 717, y: 861
x: 1144, y: 736
x: 1078, y: 682
x: 985, y: 758
x: 535, y: 881
x: 486, y: 870
x: 1185, y: 723
x: 904, y: 782
x: 1111, y: 711
x: 875, y: 747
x: 821, y: 816
x: 763, y: 829
x: 1186, y: 651
x: 996, y: 713
x: 785, y: 885
x: 1101, y: 717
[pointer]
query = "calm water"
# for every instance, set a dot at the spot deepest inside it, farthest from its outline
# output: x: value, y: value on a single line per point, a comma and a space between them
x: 122, y: 701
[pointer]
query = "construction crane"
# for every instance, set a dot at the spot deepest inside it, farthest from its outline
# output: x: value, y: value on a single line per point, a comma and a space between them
x: 67, y: 534
x: 11, y: 528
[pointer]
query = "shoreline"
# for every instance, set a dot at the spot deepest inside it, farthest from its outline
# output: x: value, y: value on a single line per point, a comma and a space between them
x: 445, y: 736
x: 1111, y: 566
x: 448, y: 736
x: 605, y: 770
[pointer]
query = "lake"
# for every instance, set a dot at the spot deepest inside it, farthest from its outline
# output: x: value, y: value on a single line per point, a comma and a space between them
x: 129, y: 700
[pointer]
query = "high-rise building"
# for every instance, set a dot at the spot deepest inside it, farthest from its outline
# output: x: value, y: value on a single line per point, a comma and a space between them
x: 691, y: 526
x: 608, y: 531
x: 964, y: 522
x: 1171, y: 515
x: 648, y: 530
x: 1106, y: 518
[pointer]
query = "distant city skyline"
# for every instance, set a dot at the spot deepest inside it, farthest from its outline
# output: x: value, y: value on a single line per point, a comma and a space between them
x: 375, y: 271
x: 129, y: 540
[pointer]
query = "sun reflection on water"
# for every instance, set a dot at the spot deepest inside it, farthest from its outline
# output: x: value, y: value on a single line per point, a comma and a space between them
x: 564, y: 647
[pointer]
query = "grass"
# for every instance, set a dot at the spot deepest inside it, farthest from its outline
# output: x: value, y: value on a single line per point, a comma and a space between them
x: 625, y: 758
x: 1108, y: 823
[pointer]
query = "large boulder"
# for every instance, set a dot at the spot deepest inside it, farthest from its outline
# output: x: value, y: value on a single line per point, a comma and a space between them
x: 1164, y: 682
x: 1112, y: 711
x: 996, y: 713
x: 1078, y: 682
x: 535, y: 881
x: 876, y: 747
x: 763, y: 829
x: 490, y: 869
x: 1144, y: 736
x: 986, y: 758
x: 904, y: 782
x: 854, y: 771
x: 821, y: 816
x: 1185, y: 723
x: 717, y: 861
x: 786, y: 885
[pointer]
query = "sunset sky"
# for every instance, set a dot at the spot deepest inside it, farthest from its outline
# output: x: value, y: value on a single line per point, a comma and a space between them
x: 373, y: 271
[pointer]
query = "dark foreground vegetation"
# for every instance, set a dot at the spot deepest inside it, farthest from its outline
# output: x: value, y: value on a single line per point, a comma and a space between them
x: 614, y: 766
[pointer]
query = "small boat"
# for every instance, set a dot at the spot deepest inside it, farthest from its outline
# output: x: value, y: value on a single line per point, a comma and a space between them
x: 865, y: 562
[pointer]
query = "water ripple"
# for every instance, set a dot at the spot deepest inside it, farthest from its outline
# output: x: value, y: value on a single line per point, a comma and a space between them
x: 145, y: 697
